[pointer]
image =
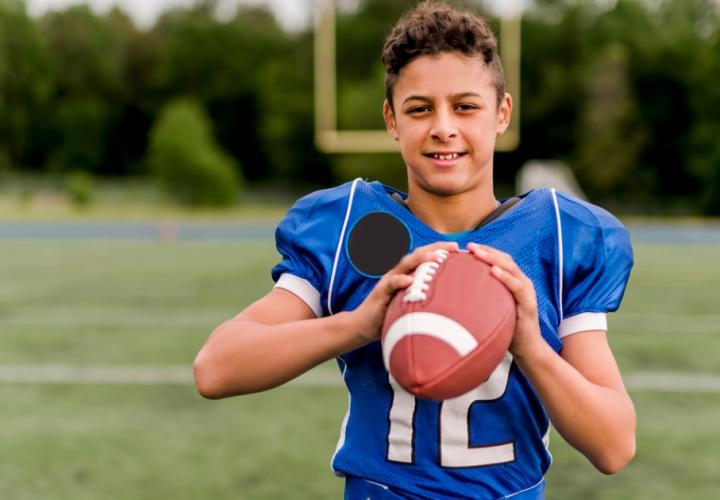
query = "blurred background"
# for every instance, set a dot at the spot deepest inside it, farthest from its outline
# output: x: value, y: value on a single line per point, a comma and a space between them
x: 623, y: 92
x: 147, y: 149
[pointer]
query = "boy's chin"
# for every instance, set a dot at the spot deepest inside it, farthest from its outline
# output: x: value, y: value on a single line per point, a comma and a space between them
x: 447, y: 187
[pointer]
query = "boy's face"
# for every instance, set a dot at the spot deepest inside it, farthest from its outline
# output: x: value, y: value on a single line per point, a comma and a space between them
x: 446, y: 119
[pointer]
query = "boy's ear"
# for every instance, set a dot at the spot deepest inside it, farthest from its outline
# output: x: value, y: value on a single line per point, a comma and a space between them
x: 390, y: 123
x: 504, y: 113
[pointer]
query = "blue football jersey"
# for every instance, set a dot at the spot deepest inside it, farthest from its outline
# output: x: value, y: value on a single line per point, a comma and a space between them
x: 493, y: 441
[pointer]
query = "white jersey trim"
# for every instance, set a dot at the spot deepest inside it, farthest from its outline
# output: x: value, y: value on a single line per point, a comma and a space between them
x: 560, y: 251
x: 343, y: 430
x: 582, y: 322
x: 303, y: 289
x: 339, y: 245
x: 526, y: 490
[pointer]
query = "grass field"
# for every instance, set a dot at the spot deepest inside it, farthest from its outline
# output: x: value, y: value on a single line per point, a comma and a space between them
x: 152, y: 304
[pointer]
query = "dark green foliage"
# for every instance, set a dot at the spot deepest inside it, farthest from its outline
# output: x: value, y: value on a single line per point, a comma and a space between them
x: 187, y: 160
x: 610, y: 134
x: 648, y: 144
x: 25, y: 89
x: 86, y: 72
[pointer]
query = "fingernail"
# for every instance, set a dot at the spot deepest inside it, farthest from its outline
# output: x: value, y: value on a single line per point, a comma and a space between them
x: 496, y: 271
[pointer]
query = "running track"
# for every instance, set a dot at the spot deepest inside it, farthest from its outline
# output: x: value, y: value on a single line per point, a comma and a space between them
x: 702, y: 233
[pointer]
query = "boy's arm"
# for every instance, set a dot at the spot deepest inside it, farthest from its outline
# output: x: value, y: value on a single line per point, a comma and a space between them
x: 272, y: 341
x: 581, y: 389
x: 583, y: 392
x: 278, y: 337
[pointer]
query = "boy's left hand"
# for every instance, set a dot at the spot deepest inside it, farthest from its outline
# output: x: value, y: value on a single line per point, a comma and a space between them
x: 504, y: 269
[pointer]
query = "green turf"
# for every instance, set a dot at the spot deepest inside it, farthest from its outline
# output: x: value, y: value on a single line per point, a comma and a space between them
x: 153, y: 303
x: 123, y: 302
x: 670, y: 311
x: 135, y: 443
x: 677, y: 455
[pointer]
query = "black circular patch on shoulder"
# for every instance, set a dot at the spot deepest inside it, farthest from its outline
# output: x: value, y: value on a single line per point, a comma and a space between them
x: 377, y: 242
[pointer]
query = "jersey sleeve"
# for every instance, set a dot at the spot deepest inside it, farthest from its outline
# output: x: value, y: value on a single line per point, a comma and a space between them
x: 306, y: 240
x: 597, y: 259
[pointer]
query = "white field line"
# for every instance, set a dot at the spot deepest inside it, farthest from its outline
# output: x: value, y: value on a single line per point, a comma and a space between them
x: 97, y: 316
x: 321, y: 377
x: 130, y: 375
x: 673, y: 382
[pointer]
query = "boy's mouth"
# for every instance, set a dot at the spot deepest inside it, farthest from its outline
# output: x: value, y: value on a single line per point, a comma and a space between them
x: 445, y: 155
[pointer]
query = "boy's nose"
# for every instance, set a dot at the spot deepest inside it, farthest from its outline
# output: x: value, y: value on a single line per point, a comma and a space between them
x: 443, y: 128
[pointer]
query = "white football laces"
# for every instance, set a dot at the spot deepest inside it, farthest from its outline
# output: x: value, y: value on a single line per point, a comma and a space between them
x: 423, y: 276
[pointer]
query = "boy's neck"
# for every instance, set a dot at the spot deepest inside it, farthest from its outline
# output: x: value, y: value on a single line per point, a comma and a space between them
x: 452, y: 214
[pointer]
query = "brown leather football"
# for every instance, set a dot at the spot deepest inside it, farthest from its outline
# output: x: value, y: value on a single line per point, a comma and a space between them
x: 446, y: 333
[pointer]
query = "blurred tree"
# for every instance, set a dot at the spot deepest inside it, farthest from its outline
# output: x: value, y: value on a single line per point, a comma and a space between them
x: 553, y: 52
x: 361, y: 34
x: 662, y: 99
x: 610, y: 136
x: 188, y: 161
x: 81, y: 126
x: 86, y: 67
x: 286, y: 124
x: 221, y: 63
x: 665, y: 57
x: 701, y: 73
x: 25, y: 86
x: 137, y: 101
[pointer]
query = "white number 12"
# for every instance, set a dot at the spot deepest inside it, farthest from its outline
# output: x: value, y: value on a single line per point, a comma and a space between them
x: 455, y: 449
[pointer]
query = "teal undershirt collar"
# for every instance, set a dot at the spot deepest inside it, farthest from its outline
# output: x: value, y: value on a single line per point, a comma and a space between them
x: 459, y: 235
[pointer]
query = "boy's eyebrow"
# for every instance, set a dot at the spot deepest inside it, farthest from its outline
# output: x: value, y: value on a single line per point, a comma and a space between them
x: 417, y: 98
x: 463, y: 95
x: 454, y: 97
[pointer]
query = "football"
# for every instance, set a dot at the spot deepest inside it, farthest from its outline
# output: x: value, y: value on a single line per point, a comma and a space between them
x: 446, y: 333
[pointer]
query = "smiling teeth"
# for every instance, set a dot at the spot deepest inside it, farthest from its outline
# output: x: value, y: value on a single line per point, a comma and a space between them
x: 450, y: 156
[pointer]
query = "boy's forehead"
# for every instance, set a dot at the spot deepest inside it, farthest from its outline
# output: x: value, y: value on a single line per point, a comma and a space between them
x: 446, y: 74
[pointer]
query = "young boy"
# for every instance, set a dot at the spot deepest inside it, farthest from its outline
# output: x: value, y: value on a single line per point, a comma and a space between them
x: 347, y: 250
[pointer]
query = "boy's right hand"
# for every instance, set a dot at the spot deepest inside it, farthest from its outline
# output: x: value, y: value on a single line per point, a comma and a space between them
x: 367, y: 319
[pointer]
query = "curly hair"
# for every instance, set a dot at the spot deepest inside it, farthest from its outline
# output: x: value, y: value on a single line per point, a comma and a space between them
x: 432, y: 28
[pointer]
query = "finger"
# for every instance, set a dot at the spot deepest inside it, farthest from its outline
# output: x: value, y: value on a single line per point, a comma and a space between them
x: 488, y: 252
x: 398, y: 282
x: 511, y: 282
x: 521, y: 288
x: 495, y: 257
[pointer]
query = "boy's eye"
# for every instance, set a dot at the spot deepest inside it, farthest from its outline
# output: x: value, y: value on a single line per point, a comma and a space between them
x: 466, y: 107
x: 419, y: 109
